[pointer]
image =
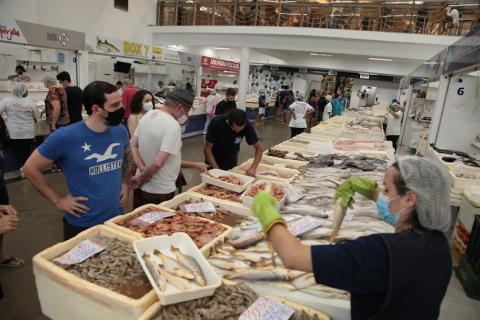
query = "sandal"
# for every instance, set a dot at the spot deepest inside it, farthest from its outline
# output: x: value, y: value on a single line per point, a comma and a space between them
x: 12, y: 262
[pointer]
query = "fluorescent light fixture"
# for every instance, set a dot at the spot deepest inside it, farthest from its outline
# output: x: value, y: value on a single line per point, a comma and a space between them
x: 173, y: 47
x: 314, y: 54
x: 325, y: 55
x: 380, y: 59
x: 203, y: 9
x: 404, y: 2
x: 220, y: 48
x: 293, y: 14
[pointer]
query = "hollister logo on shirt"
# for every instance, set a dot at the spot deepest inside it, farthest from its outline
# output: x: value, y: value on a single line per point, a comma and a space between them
x: 107, y: 155
x: 238, y: 140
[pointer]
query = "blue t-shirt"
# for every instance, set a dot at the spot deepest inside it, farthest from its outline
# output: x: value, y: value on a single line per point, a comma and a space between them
x: 92, y: 165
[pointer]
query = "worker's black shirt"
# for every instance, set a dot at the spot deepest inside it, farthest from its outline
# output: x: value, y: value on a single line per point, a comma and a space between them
x: 390, y: 276
x: 226, y: 142
x: 224, y: 107
x: 74, y: 103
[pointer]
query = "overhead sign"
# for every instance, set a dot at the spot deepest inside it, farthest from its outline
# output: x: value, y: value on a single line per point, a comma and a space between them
x: 219, y: 64
x: 189, y: 58
x: 171, y: 56
x: 117, y: 47
x: 17, y: 31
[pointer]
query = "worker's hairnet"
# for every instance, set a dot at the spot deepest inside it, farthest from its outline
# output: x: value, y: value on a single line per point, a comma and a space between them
x: 328, y: 97
x: 432, y: 190
x: 19, y: 89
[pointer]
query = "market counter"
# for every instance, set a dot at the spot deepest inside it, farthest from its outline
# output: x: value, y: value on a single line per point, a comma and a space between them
x: 195, y: 125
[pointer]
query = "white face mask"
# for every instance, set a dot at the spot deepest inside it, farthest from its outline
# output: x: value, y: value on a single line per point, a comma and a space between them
x: 147, y: 106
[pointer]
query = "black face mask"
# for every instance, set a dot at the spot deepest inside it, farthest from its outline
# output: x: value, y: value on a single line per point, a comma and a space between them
x: 116, y: 117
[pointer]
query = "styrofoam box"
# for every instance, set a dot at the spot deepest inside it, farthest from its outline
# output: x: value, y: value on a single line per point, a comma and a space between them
x: 209, y: 178
x: 152, y: 312
x: 461, y: 183
x: 113, y: 223
x: 292, y: 173
x: 65, y: 296
x: 283, y: 163
x: 185, y: 244
x: 235, y: 207
x: 247, y: 201
x: 305, y: 153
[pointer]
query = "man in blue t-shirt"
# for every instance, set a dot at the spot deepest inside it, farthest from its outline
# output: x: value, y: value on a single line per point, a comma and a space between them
x: 91, y: 155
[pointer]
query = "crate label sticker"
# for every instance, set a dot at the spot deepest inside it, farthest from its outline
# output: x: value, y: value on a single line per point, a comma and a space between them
x: 80, y: 252
x: 152, y: 217
x: 206, y: 206
x: 303, y: 225
x: 267, y: 309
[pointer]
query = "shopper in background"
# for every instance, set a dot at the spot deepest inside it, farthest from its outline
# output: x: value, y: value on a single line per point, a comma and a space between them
x: 157, y: 150
x: 401, y: 275
x: 224, y: 136
x: 313, y: 101
x: 394, y: 123
x: 119, y: 85
x: 127, y: 96
x: 19, y: 75
x: 287, y: 102
x: 322, y: 102
x: 300, y: 114
x: 56, y: 106
x: 228, y: 104
x: 338, y: 105
x: 189, y: 87
x: 93, y: 154
x: 159, y: 90
x: 142, y: 102
x: 262, y: 105
x: 327, y: 112
x: 74, y: 97
x: 210, y: 106
x: 21, y: 116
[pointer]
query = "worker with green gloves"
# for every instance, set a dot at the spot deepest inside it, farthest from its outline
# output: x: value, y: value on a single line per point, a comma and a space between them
x: 385, y: 273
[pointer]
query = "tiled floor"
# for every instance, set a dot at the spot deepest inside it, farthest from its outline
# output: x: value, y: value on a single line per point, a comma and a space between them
x: 41, y: 227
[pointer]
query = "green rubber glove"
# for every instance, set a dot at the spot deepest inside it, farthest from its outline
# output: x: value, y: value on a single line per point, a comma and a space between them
x: 263, y: 208
x: 352, y: 185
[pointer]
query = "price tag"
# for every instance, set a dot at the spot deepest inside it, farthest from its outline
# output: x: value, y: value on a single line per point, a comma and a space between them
x: 337, y: 162
x: 303, y: 225
x: 294, y: 194
x: 80, y: 252
x: 206, y: 206
x: 267, y: 309
x: 152, y: 217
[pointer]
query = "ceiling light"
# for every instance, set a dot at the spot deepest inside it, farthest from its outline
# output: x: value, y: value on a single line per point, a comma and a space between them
x: 313, y: 54
x: 380, y: 59
x: 203, y: 9
x: 220, y: 48
x: 325, y: 55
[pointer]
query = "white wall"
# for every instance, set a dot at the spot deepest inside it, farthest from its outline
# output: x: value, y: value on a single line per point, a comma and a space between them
x: 386, y: 91
x: 94, y: 17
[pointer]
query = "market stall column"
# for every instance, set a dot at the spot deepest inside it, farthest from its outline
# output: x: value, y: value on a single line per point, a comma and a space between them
x: 198, y: 83
x: 243, y: 78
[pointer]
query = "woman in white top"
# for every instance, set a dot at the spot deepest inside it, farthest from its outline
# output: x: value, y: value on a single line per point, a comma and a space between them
x: 299, y: 113
x: 394, y: 123
x: 142, y: 102
x: 21, y: 115
x: 327, y: 112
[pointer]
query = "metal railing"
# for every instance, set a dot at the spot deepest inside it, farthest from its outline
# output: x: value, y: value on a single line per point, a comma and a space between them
x: 424, y: 17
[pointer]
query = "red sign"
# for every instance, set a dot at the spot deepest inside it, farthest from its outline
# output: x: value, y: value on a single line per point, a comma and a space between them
x: 219, y: 64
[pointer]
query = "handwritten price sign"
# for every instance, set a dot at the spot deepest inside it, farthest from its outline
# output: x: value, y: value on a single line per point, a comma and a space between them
x: 303, y: 225
x: 80, y: 252
x: 200, y: 207
x: 267, y: 309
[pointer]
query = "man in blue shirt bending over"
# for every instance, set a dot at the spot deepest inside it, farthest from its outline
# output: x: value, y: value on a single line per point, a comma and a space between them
x: 92, y: 154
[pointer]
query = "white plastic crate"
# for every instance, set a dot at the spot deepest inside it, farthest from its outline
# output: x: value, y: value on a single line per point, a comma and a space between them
x: 212, y: 178
x: 185, y: 244
x: 65, y: 296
